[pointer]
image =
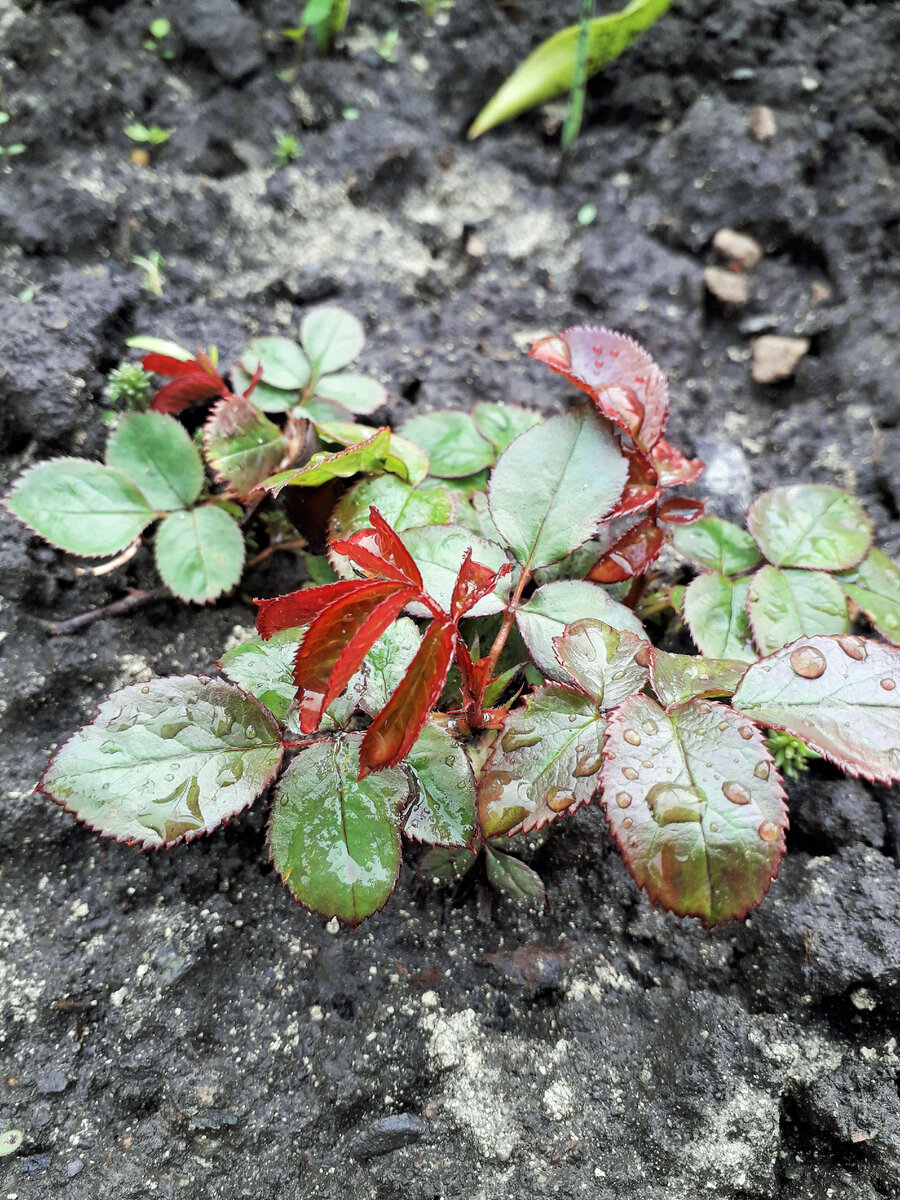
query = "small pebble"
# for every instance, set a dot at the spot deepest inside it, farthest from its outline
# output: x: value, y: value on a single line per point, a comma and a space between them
x: 776, y: 358
x: 738, y: 247
x: 726, y: 285
x: 762, y: 124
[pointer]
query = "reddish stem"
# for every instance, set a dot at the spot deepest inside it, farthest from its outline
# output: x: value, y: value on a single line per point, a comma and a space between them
x: 500, y: 639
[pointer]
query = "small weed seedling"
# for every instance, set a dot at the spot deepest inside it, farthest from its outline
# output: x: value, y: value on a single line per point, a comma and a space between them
x: 150, y: 135
x: 287, y: 149
x: 14, y: 148
x: 325, y: 19
x: 152, y: 265
x: 475, y: 670
x: 159, y: 29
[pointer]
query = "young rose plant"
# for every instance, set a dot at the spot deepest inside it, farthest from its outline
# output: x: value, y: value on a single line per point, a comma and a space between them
x: 475, y: 670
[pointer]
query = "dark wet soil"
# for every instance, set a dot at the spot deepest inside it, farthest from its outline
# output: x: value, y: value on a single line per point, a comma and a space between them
x: 172, y: 1025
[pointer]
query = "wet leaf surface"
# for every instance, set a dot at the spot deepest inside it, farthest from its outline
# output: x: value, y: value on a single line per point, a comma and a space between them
x: 402, y: 457
x: 199, y: 554
x: 550, y: 490
x: 784, y: 605
x: 677, y: 678
x: 513, y: 878
x: 166, y: 760
x: 334, y: 839
x: 324, y: 466
x: 80, y: 506
x: 717, y: 545
x: 265, y: 669
x: 875, y: 587
x: 443, y: 787
x: 695, y: 806
x: 840, y: 695
x: 608, y: 664
x: 810, y: 525
x: 556, y: 605
x: 387, y: 663
x: 400, y: 505
x: 157, y: 454
x: 545, y: 762
x: 502, y: 423
x: 439, y: 551
x: 452, y: 442
x: 715, y: 611
x: 242, y: 445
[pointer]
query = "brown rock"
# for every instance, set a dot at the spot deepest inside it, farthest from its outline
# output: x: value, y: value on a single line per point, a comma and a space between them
x: 776, y: 358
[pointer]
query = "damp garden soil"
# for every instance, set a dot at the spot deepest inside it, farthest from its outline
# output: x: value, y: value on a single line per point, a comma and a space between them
x: 172, y: 1024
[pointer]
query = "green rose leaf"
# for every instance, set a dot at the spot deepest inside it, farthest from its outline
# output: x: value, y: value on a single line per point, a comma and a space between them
x: 400, y: 505
x: 264, y: 396
x: 80, y: 506
x: 242, y: 446
x: 785, y: 605
x: 442, y: 811
x: 553, y: 486
x: 695, y: 806
x: 607, y: 664
x: 439, y: 550
x: 356, y: 392
x: 677, y: 678
x: 284, y: 365
x: 545, y: 763
x: 715, y: 610
x: 874, y: 586
x: 332, y: 338
x: 444, y: 865
x: 322, y: 467
x: 403, y: 458
x: 502, y: 423
x: 717, y: 545
x: 810, y: 525
x: 556, y: 605
x: 157, y: 453
x: 840, y: 695
x: 334, y: 838
x: 200, y: 554
x: 265, y: 669
x: 452, y: 442
x: 512, y: 877
x: 167, y: 760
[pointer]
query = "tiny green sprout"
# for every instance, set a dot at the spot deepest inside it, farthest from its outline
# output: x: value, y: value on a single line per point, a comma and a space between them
x: 586, y: 215
x: 160, y: 27
x: 287, y: 149
x: 130, y: 383
x: 4, y: 117
x: 387, y: 50
x: 350, y: 113
x: 151, y: 135
x: 152, y: 265
x: 10, y: 1141
x: 791, y: 755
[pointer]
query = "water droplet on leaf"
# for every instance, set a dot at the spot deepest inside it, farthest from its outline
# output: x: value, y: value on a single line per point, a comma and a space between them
x: 746, y: 732
x: 623, y: 799
x: 632, y: 737
x: 629, y: 773
x: 558, y: 799
x: 853, y: 647
x: 808, y: 662
x: 888, y: 684
x: 768, y: 831
x: 735, y: 792
x: 761, y: 770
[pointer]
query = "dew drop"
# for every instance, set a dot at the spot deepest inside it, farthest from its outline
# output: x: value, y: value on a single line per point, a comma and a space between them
x: 761, y: 770
x: 642, y: 658
x: 735, y: 792
x: 888, y: 684
x: 647, y: 765
x: 628, y: 822
x: 558, y: 799
x: 518, y: 739
x: 649, y: 727
x: 722, y: 726
x: 588, y: 764
x: 623, y: 799
x: 448, y: 761
x: 145, y: 691
x: 704, y: 708
x: 617, y: 675
x: 808, y: 662
x: 853, y: 647
x: 713, y: 827
x: 768, y: 831
x: 632, y: 737
x: 629, y: 773
x: 746, y: 732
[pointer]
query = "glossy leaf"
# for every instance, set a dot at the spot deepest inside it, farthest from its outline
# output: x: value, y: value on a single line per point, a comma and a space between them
x: 554, y: 485
x: 681, y: 510
x: 671, y: 466
x: 381, y: 549
x: 677, y: 678
x: 810, y: 525
x: 785, y: 605
x: 695, y: 806
x: 840, y: 695
x: 300, y: 607
x: 607, y: 664
x: 631, y: 555
x: 400, y: 505
x: 546, y: 762
x: 473, y: 584
x: 265, y: 669
x: 874, y: 586
x: 322, y: 467
x: 242, y: 446
x: 199, y: 554
x: 401, y: 458
x: 157, y: 453
x: 443, y: 806
x: 452, y: 442
x: 556, y: 605
x: 396, y: 728
x: 264, y: 396
x: 167, y: 760
x: 358, y: 393
x: 549, y: 70
x: 715, y: 611
x: 334, y: 838
x: 618, y: 375
x: 641, y: 489
x: 717, y: 545
x: 284, y: 365
x: 502, y: 423
x: 332, y: 338
x: 80, y: 506
x: 439, y: 551
x: 512, y: 877
x: 387, y: 663
x: 192, y: 382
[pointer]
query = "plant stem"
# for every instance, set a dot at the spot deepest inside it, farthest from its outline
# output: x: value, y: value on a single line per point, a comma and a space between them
x: 114, y: 563
x: 134, y: 600
x: 298, y: 543
x: 500, y: 639
x: 579, y: 79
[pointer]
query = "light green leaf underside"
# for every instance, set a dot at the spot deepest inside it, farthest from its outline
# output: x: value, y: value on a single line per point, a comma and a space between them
x: 199, y: 554
x: 715, y: 611
x: 157, y: 454
x: 366, y: 456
